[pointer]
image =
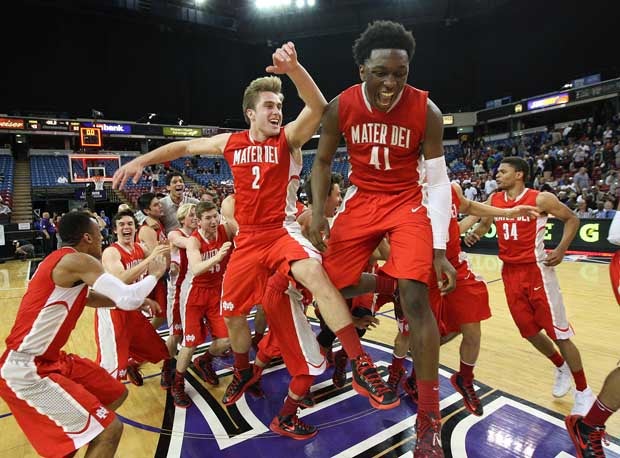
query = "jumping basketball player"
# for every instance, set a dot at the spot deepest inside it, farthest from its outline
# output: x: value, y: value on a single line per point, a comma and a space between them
x: 587, y: 432
x: 388, y: 126
x: 530, y: 282
x: 61, y: 401
x: 266, y: 162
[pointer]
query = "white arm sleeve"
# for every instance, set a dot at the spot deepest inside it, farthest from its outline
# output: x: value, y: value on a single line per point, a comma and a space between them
x: 439, y: 200
x: 126, y: 297
x: 614, y: 230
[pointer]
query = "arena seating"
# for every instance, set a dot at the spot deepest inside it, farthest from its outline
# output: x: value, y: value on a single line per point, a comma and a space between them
x: 7, y: 167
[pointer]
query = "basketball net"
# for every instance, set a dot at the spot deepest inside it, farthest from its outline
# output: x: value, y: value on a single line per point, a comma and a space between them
x: 98, y: 180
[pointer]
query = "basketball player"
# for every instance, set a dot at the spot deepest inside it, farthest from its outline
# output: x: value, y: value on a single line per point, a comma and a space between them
x: 120, y: 334
x: 186, y: 215
x: 175, y: 198
x: 387, y: 124
x: 462, y: 310
x: 587, y: 432
x: 207, y: 256
x: 531, y: 285
x: 62, y: 401
x: 152, y: 233
x: 266, y: 162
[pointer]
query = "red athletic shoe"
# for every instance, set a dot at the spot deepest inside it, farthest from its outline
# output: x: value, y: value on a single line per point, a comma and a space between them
x: 410, y: 385
x: 367, y: 382
x: 307, y: 402
x: 588, y: 439
x: 428, y: 441
x: 466, y: 389
x: 133, y: 372
x: 179, y: 396
x: 292, y: 426
x: 395, y: 377
x: 340, y: 369
x: 204, y: 368
x: 167, y: 375
x: 240, y: 383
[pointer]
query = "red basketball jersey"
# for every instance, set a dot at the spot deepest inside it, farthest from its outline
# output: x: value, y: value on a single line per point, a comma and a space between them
x: 266, y: 179
x: 47, y: 313
x: 614, y: 273
x: 179, y: 257
x: 384, y: 148
x: 212, y: 278
x: 453, y: 247
x: 159, y: 230
x: 130, y: 258
x: 520, y: 240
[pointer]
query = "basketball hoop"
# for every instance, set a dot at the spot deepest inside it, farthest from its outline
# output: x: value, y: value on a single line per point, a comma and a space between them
x: 98, y: 180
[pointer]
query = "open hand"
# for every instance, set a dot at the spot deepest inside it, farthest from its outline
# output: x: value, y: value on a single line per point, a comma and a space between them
x: 284, y: 59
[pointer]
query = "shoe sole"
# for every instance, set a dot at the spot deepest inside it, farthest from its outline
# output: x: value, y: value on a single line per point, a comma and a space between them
x: 297, y: 437
x: 182, y: 407
x: 558, y: 396
x: 232, y: 401
x: 373, y: 402
x: 203, y: 375
x: 465, y: 403
x: 570, y: 422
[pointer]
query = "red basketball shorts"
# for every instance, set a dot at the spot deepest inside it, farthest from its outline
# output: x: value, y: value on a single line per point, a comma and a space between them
x: 534, y: 299
x: 614, y: 274
x: 200, y: 313
x: 59, y: 405
x: 257, y: 255
x: 362, y: 222
x: 160, y: 295
x: 122, y: 334
x: 291, y: 336
x: 468, y: 303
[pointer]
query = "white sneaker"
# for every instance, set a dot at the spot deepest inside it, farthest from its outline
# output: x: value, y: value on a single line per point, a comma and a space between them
x: 583, y: 402
x: 563, y: 381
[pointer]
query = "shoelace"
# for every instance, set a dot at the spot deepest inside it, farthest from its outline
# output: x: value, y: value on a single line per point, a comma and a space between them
x: 395, y: 376
x: 597, y: 438
x: 471, y: 392
x: 370, y: 373
x: 298, y: 424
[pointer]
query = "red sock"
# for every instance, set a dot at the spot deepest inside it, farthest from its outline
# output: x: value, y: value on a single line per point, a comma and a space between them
x: 350, y: 341
x: 289, y: 407
x: 179, y: 377
x: 242, y: 360
x: 556, y: 359
x: 467, y: 371
x: 598, y: 414
x: 580, y: 380
x: 428, y: 397
x: 385, y: 285
x: 397, y: 361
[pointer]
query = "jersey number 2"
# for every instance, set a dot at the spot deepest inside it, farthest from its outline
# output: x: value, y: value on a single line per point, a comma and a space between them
x: 256, y: 173
x: 374, y: 158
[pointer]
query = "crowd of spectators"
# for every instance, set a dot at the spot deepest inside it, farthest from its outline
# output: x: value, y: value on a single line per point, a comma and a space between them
x: 579, y: 163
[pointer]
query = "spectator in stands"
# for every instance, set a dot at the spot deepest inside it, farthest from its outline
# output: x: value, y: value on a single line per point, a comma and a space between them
x: 23, y: 249
x: 470, y: 191
x: 62, y: 180
x: 490, y: 185
x: 582, y: 210
x: 582, y: 179
x: 4, y: 209
x: 209, y: 195
x: 608, y: 211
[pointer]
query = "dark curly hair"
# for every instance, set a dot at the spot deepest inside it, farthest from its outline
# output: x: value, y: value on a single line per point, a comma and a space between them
x: 383, y: 35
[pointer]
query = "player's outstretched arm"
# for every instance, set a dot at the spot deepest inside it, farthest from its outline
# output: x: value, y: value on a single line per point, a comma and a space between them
x: 473, y: 208
x: 133, y: 170
x: 299, y: 131
x: 321, y: 174
x: 439, y: 196
x: 550, y: 204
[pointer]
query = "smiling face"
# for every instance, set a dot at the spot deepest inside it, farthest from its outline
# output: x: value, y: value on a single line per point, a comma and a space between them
x: 266, y: 116
x: 190, y: 222
x: 208, y: 222
x: 176, y: 187
x: 125, y: 230
x: 385, y: 74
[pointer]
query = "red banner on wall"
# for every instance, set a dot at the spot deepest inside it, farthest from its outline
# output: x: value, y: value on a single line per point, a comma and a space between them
x: 11, y: 123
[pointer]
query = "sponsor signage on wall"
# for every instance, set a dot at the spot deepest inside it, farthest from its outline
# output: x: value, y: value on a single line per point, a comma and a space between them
x: 11, y: 123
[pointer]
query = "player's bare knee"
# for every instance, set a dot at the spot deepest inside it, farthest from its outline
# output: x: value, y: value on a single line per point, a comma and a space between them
x: 311, y: 274
x: 119, y: 402
x: 111, y: 434
x: 413, y: 298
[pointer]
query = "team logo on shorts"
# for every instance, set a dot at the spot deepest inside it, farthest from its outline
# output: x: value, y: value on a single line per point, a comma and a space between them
x: 190, y: 338
x: 102, y: 413
x: 228, y: 306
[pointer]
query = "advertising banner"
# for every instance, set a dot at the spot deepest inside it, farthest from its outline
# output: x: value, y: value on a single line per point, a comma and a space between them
x: 182, y: 132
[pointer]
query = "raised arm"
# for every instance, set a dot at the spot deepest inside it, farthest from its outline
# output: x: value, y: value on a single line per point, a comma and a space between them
x: 111, y: 260
x: 194, y: 260
x: 321, y: 174
x: 550, y: 204
x: 209, y: 145
x: 305, y: 126
x: 473, y: 208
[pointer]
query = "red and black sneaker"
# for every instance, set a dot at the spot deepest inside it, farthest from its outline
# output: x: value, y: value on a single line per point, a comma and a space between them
x: 167, y: 375
x: 179, y: 396
x: 395, y: 377
x: 256, y: 338
x: 242, y: 379
x: 255, y: 390
x: 133, y: 372
x: 292, y: 426
x: 428, y: 436
x: 307, y: 402
x: 340, y: 369
x: 367, y: 382
x: 410, y: 385
x: 205, y: 370
x: 466, y: 389
x: 588, y: 440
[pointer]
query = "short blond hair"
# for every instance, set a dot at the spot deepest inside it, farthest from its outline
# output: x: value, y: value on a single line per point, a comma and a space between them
x: 183, y: 211
x: 252, y: 92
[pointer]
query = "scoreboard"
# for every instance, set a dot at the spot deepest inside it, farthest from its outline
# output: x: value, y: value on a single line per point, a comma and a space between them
x: 90, y: 137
